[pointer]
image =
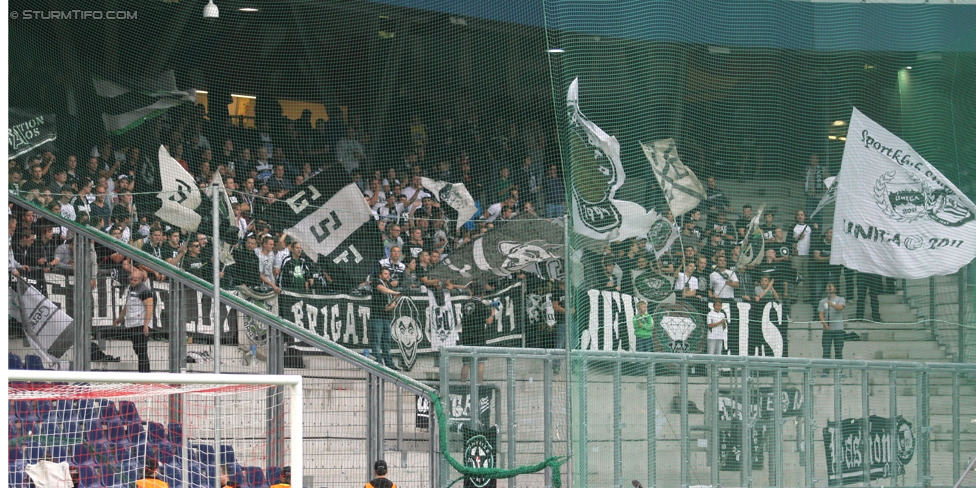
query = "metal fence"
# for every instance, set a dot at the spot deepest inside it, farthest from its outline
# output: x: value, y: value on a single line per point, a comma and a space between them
x: 696, y: 420
x: 945, y: 303
x: 354, y: 412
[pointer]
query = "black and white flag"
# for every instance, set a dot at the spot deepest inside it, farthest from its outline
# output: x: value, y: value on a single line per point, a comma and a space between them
x: 896, y: 214
x: 127, y: 106
x: 830, y: 196
x: 455, y: 195
x: 179, y: 195
x: 681, y: 187
x: 597, y: 175
x: 27, y: 131
x: 511, y: 246
x: 334, y: 224
x: 753, y: 247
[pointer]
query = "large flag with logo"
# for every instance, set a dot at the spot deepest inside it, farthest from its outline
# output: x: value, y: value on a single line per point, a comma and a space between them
x: 335, y: 224
x: 511, y: 246
x: 597, y: 175
x: 27, y: 130
x: 179, y: 195
x: 681, y: 187
x: 896, y: 215
x: 126, y: 106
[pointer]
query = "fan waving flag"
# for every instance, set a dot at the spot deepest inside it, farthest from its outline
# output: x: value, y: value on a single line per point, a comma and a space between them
x: 681, y: 187
x: 753, y: 247
x: 179, y: 196
x: 896, y: 215
x: 334, y: 224
x: 455, y: 195
x: 597, y: 175
x: 127, y: 107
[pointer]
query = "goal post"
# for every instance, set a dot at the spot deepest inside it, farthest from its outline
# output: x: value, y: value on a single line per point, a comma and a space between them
x: 197, y: 427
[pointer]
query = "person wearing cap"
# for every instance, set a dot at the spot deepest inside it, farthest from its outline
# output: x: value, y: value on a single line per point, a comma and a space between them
x: 285, y: 481
x: 379, y: 470
x: 150, y: 479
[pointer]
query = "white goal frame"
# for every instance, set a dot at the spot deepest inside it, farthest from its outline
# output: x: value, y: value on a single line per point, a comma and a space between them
x: 293, y: 383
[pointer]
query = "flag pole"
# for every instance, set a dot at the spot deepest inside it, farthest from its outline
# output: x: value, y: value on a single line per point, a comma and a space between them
x: 214, y: 194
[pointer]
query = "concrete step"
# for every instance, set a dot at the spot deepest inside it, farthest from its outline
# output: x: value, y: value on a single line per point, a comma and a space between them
x: 895, y: 335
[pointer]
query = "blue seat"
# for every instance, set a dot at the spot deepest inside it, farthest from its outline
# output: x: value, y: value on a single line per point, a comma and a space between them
x: 109, y: 477
x: 34, y: 362
x: 58, y: 453
x: 14, y: 361
x: 87, y: 409
x: 135, y: 433
x: 43, y: 408
x: 109, y: 411
x: 15, y: 478
x: 227, y: 455
x: 89, y: 477
x: 128, y: 412
x: 274, y: 475
x: 174, y: 433
x: 255, y: 477
x: 24, y: 410
x: 83, y: 455
x: 33, y: 452
x: 14, y: 454
x: 157, y: 433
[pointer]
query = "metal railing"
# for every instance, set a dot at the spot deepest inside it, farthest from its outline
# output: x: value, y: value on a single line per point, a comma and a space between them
x: 341, y: 384
x: 946, y: 304
x: 682, y: 420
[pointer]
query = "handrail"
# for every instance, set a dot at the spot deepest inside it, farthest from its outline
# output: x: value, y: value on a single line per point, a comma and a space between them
x: 260, y: 314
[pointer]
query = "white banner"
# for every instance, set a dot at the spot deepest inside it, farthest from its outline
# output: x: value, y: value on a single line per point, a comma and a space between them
x: 455, y: 195
x: 896, y: 215
x: 326, y: 229
x: 180, y: 195
x: 597, y: 175
x: 681, y: 187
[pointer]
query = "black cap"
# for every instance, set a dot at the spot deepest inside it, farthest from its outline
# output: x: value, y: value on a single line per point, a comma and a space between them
x: 380, y: 466
x: 152, y: 464
x: 286, y: 470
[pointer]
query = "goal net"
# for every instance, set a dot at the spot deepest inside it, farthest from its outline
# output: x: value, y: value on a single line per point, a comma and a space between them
x: 111, y: 429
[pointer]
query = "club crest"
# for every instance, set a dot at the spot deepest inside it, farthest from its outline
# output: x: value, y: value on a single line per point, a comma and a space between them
x: 904, y: 197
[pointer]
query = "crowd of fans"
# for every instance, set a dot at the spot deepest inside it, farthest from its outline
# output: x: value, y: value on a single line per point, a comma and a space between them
x: 509, y: 171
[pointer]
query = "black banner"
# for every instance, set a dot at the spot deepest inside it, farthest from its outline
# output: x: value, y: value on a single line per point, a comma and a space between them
x: 459, y: 406
x: 755, y: 329
x: 848, y: 439
x: 480, y: 451
x: 419, y: 324
x: 762, y: 401
x: 27, y: 131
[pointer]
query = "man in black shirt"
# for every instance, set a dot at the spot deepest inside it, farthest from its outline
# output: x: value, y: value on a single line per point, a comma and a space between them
x: 476, y: 318
x: 296, y: 271
x: 381, y: 313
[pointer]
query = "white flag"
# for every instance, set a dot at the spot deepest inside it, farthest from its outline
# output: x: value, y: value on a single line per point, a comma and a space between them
x: 681, y: 187
x: 896, y: 215
x: 455, y: 195
x: 180, y: 195
x: 326, y: 229
x: 597, y: 175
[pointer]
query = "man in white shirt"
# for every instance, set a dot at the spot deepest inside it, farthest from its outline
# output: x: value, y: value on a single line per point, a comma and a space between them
x: 415, y: 194
x: 802, y: 233
x: 718, y: 328
x: 722, y: 282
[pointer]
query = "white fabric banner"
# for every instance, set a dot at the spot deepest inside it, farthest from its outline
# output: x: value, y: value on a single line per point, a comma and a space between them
x: 455, y: 195
x: 896, y: 215
x: 327, y: 228
x: 681, y: 187
x: 180, y: 195
x: 597, y: 175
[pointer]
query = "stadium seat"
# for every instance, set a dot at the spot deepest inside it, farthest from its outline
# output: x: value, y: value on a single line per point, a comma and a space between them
x: 15, y: 478
x: 87, y: 410
x: 204, y: 453
x: 128, y: 412
x: 52, y: 429
x: 14, y: 454
x: 171, y: 475
x: 95, y: 432
x: 24, y: 410
x: 14, y: 361
x: 117, y: 434
x: 175, y: 433
x: 110, y: 478
x: 33, y: 451
x: 88, y: 477
x: 58, y: 453
x: 104, y: 453
x: 82, y: 455
x: 43, y: 408
x: 13, y: 428
x: 157, y: 433
x: 109, y: 411
x: 274, y: 475
x: 227, y: 455
x: 33, y: 362
x: 70, y: 430
x: 255, y: 477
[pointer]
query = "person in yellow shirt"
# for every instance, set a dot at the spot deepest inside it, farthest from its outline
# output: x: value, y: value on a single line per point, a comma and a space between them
x: 285, y: 478
x: 379, y: 469
x: 150, y: 479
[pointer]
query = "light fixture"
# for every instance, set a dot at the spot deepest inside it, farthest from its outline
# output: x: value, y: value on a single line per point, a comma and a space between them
x: 247, y: 9
x: 832, y: 138
x: 251, y: 97
x: 908, y: 67
x: 210, y: 11
x: 556, y: 50
x: 838, y: 123
x: 841, y: 138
